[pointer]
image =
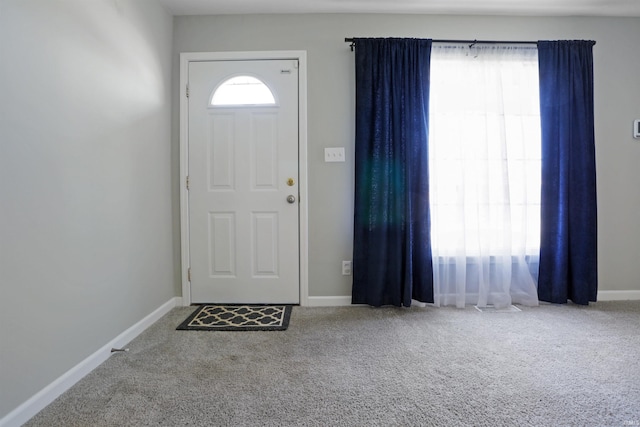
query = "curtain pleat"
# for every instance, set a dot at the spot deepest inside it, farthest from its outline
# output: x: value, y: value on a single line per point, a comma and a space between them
x: 568, y: 245
x: 392, y: 254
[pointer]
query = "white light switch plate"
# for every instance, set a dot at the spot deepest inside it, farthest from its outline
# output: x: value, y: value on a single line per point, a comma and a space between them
x: 334, y: 154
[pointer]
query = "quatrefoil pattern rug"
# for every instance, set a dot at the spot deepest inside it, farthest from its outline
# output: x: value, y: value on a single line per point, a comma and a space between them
x: 238, y: 318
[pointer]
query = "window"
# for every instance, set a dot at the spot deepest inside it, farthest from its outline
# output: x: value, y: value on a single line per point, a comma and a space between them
x: 484, y: 160
x: 486, y: 150
x: 242, y: 90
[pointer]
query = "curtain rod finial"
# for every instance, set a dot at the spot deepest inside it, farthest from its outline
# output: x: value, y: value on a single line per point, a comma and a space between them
x: 352, y: 41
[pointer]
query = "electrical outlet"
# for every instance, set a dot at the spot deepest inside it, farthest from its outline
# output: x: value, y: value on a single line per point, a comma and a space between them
x: 346, y: 268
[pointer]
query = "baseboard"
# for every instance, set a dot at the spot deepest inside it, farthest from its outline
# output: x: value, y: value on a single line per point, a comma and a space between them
x: 329, y: 301
x: 618, y: 295
x: 338, y: 301
x: 40, y: 400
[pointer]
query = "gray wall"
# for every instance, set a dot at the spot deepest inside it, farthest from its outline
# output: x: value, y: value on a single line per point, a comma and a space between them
x: 331, y: 105
x: 86, y: 234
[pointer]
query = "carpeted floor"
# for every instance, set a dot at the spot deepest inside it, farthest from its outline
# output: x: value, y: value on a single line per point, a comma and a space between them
x: 358, y: 366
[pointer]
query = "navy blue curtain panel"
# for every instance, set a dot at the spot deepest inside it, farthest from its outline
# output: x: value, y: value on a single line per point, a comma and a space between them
x: 568, y: 241
x: 392, y: 243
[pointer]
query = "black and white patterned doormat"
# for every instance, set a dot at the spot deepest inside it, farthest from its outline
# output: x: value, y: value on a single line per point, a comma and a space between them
x: 238, y: 318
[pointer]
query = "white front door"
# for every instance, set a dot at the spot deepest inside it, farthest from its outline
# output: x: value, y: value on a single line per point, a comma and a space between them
x: 243, y: 181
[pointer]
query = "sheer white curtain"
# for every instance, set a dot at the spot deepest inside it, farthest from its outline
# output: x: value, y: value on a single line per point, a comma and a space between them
x: 484, y: 154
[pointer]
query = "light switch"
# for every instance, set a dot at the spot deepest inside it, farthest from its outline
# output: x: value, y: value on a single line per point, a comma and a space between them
x: 334, y: 154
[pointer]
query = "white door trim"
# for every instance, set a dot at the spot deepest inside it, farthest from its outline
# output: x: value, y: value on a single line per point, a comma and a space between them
x: 185, y: 59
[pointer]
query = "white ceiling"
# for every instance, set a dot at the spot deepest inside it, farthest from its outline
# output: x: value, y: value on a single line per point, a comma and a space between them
x: 629, y: 8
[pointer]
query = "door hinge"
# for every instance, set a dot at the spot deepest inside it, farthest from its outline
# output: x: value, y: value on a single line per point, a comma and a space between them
x: 187, y: 91
x: 187, y: 182
x: 189, y: 274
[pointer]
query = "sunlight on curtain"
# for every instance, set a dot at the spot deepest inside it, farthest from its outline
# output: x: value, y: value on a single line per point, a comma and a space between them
x: 484, y: 160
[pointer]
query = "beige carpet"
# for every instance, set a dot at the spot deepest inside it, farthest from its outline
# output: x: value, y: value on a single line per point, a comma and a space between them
x: 357, y: 366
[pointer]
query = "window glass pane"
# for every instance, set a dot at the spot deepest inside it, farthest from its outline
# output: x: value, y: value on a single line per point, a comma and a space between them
x: 242, y: 90
x: 484, y: 150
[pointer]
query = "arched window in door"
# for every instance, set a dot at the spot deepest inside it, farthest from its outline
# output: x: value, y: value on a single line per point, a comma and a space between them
x: 242, y: 91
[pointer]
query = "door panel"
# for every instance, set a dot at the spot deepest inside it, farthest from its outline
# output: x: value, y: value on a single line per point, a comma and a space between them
x: 243, y: 233
x: 264, y: 147
x: 221, y: 159
x: 265, y: 243
x: 222, y: 244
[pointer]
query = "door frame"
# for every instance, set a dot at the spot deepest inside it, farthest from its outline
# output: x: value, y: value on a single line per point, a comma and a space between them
x: 303, y: 199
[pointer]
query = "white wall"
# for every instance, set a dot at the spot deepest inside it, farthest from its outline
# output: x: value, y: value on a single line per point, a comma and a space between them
x: 331, y: 104
x: 86, y: 238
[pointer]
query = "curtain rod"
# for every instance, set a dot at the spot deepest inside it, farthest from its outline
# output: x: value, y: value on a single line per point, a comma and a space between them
x: 471, y: 42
